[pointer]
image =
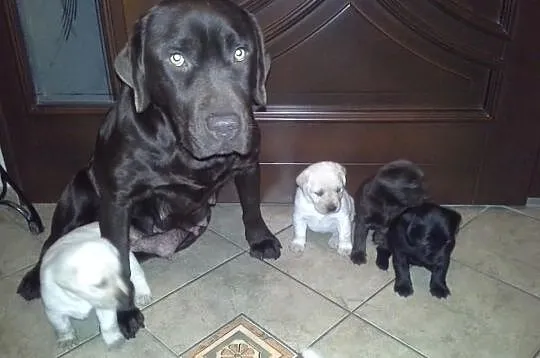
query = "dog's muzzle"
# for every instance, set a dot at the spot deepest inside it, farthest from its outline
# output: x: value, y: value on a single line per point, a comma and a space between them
x: 223, y: 126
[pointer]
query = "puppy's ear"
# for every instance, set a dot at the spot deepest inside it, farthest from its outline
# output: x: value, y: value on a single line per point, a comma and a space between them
x: 342, y: 173
x: 263, y: 64
x: 129, y: 65
x: 454, y: 221
x: 302, y: 178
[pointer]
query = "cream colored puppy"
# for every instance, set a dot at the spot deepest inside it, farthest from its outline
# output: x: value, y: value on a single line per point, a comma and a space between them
x: 81, y: 272
x: 323, y: 205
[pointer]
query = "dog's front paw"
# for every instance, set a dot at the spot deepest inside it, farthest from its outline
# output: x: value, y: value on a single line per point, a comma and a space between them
x: 113, y: 338
x: 66, y: 340
x: 333, y: 242
x: 404, y: 288
x: 143, y: 299
x: 130, y: 322
x: 263, y: 244
x: 358, y: 257
x: 297, y: 246
x: 345, y: 249
x: 439, y: 291
x: 382, y: 263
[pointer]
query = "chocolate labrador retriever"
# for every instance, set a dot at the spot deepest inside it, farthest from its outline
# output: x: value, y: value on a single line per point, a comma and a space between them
x: 181, y: 128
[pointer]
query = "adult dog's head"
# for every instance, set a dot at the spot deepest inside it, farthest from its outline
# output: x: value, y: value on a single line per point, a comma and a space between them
x: 203, y: 65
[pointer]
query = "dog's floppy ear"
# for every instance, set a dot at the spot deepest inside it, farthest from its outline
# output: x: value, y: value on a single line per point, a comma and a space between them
x: 302, y: 178
x: 454, y: 221
x: 130, y: 68
x: 263, y: 64
x: 342, y: 173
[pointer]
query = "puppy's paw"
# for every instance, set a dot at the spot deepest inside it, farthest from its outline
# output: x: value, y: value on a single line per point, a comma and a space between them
x: 358, y: 258
x: 333, y: 242
x: 67, y: 340
x: 345, y: 249
x: 439, y: 291
x: 113, y: 338
x: 143, y: 299
x: 404, y: 289
x: 297, y: 247
x: 382, y: 263
x: 130, y: 322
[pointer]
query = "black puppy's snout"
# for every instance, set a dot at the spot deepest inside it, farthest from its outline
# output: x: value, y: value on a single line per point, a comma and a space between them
x: 224, y: 125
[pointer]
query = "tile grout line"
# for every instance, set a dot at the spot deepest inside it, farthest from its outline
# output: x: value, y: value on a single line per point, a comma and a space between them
x: 466, y: 223
x: 191, y: 281
x: 374, y: 294
x: 518, y: 211
x: 495, y: 278
x: 328, y: 330
x: 159, y: 341
x: 388, y: 334
x: 79, y: 345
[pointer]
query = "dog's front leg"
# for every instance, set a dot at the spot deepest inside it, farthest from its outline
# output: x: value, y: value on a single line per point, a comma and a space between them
x: 403, y: 284
x: 65, y: 334
x: 437, y: 284
x: 299, y: 240
x: 114, y: 225
x: 344, y: 234
x: 358, y: 252
x: 108, y: 326
x: 263, y: 244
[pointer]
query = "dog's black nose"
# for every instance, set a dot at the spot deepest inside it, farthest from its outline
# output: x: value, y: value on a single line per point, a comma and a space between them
x: 224, y: 125
x: 331, y: 208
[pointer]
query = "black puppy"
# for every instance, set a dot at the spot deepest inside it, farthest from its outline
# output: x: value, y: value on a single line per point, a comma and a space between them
x: 181, y: 128
x: 396, y: 186
x: 423, y: 236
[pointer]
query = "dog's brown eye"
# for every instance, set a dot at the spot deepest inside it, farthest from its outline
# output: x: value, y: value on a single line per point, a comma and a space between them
x: 240, y: 54
x: 319, y: 193
x: 339, y: 190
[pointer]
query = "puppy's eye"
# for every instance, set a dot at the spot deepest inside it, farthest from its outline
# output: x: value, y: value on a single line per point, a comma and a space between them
x: 339, y: 190
x: 102, y: 284
x: 177, y: 59
x: 319, y: 192
x: 240, y: 54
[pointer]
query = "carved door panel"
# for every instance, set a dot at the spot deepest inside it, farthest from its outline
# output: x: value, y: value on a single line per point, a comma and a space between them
x: 450, y: 84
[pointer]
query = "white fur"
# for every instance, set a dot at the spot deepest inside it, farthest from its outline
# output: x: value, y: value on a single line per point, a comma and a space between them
x: 309, y: 353
x: 322, y: 186
x: 81, y: 272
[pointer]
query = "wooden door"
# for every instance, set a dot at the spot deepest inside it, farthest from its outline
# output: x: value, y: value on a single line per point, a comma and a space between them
x: 452, y: 85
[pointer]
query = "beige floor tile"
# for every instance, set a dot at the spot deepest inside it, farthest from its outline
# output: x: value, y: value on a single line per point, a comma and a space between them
x: 336, y: 277
x: 143, y: 346
x: 482, y: 318
x: 530, y: 211
x: 504, y: 244
x: 208, y: 251
x: 18, y: 247
x: 468, y: 213
x: 280, y: 305
x: 355, y: 338
x: 24, y: 329
x: 227, y: 220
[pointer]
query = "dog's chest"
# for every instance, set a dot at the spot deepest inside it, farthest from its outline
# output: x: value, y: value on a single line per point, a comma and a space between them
x: 321, y: 223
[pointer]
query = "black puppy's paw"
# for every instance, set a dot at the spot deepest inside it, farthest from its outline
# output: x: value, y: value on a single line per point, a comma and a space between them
x: 30, y: 286
x: 382, y: 263
x: 130, y: 322
x: 439, y: 291
x: 404, y: 289
x: 358, y: 257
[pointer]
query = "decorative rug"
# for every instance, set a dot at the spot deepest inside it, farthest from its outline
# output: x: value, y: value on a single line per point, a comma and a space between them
x: 240, y: 338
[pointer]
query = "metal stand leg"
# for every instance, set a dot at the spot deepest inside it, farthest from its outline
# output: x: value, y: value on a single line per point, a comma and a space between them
x: 25, y: 208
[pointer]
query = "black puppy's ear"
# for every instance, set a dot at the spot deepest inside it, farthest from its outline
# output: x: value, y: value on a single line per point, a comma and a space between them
x: 454, y: 220
x: 129, y: 66
x: 263, y: 64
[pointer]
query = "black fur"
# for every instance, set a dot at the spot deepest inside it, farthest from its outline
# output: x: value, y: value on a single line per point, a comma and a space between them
x: 175, y: 136
x: 423, y: 236
x: 396, y: 186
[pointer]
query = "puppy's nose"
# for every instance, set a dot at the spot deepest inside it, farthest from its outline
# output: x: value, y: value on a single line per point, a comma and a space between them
x: 224, y: 125
x: 331, y: 208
